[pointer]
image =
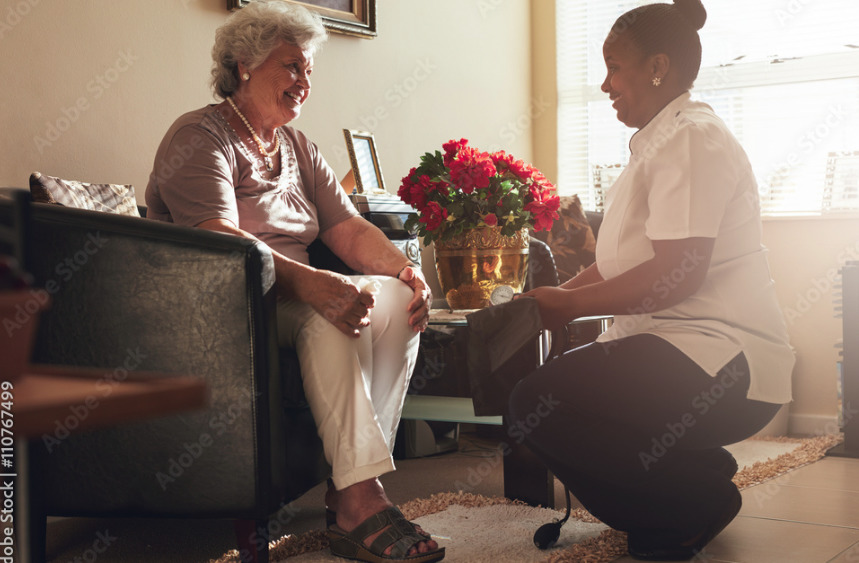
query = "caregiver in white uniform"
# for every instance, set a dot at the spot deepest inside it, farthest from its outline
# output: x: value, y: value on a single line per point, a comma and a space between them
x: 698, y: 355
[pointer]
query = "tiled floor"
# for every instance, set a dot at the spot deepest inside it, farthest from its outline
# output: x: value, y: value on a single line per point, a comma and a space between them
x: 810, y: 515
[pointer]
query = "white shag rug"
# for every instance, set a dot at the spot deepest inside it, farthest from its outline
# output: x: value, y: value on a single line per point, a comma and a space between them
x: 501, y: 532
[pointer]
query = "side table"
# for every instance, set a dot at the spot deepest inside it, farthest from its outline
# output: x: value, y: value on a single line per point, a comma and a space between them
x: 526, y: 478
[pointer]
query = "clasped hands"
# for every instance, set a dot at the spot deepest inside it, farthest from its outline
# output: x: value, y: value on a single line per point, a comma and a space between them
x: 347, y: 307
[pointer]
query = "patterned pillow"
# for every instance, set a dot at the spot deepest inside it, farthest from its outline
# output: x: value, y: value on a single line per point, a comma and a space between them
x: 110, y: 198
x: 571, y: 239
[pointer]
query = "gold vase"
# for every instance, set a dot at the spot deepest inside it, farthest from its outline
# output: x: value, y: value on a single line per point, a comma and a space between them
x: 474, y: 263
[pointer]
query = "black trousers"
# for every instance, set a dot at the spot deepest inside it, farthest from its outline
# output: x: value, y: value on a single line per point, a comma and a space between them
x: 635, y: 430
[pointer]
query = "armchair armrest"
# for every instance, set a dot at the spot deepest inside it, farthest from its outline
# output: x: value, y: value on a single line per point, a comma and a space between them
x: 135, y: 294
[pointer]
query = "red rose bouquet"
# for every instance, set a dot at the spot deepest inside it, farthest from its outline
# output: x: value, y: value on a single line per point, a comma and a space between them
x: 466, y: 189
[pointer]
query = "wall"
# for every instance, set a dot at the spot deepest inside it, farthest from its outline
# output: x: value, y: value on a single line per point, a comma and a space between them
x: 92, y: 85
x: 96, y: 83
x: 805, y: 255
x: 544, y: 88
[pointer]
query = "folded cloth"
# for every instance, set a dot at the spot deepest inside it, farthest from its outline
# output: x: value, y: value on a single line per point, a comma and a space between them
x: 498, y: 352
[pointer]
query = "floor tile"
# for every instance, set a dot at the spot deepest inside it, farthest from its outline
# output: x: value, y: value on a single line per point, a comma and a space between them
x: 780, y: 499
x: 758, y: 540
x: 828, y: 473
x: 850, y: 555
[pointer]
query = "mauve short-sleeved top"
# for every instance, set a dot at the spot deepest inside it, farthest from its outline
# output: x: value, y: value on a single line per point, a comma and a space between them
x: 204, y: 171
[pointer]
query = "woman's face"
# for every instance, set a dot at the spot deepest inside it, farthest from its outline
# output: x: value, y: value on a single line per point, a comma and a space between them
x: 281, y: 84
x: 628, y: 82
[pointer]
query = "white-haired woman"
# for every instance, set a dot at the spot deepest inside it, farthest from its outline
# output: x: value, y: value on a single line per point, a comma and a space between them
x: 235, y: 167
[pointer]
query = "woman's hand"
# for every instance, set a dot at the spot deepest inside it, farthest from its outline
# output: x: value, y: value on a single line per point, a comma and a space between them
x: 336, y: 298
x: 419, y: 306
x: 676, y: 271
x: 555, y: 305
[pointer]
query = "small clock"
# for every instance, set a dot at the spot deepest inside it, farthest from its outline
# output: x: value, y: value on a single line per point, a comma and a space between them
x: 501, y: 294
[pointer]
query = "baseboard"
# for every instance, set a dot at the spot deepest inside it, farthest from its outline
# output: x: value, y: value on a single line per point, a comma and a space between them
x: 813, y: 424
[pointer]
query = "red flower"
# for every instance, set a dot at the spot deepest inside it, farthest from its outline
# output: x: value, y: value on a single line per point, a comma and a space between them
x: 519, y: 168
x: 433, y: 215
x: 502, y: 160
x: 471, y: 169
x: 543, y: 207
x: 524, y: 171
x: 465, y: 181
x: 417, y: 191
x: 451, y: 149
x: 405, y: 191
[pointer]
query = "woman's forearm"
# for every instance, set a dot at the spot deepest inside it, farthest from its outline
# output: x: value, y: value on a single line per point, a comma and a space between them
x: 365, y: 248
x: 675, y: 272
x: 589, y: 275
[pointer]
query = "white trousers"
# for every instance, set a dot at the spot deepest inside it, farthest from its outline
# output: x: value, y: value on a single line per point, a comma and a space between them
x: 355, y: 386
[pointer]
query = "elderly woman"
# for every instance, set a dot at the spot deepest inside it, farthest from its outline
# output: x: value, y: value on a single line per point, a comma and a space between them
x: 235, y: 167
x: 698, y: 355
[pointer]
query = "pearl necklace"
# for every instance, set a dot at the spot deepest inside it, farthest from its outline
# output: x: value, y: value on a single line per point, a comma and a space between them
x: 265, y: 154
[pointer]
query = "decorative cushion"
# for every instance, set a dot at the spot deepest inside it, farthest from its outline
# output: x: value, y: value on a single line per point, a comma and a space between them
x: 110, y: 198
x: 571, y: 239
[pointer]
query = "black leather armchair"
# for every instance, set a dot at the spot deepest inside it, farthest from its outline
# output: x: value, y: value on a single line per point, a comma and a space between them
x: 134, y: 294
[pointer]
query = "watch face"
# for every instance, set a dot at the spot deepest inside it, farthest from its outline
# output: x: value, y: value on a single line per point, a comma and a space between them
x: 501, y: 294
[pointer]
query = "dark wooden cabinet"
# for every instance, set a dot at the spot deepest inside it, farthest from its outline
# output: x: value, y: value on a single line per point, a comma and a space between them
x: 850, y: 362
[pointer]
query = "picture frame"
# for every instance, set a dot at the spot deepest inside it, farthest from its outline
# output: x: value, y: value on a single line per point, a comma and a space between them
x: 366, y: 170
x: 349, y: 17
x: 841, y: 188
x: 604, y: 175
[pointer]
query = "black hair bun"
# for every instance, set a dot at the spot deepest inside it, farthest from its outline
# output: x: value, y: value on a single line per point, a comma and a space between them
x: 693, y: 11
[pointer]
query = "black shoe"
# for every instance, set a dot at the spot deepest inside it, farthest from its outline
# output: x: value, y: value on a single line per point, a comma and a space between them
x: 651, y: 547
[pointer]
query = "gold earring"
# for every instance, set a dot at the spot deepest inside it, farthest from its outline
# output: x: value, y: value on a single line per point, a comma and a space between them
x: 246, y: 76
x: 656, y: 81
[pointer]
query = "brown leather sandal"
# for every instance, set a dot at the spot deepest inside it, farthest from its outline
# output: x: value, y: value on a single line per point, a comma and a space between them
x: 331, y: 520
x: 396, y: 532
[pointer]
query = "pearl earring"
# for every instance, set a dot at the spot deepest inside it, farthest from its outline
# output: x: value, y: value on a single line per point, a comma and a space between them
x: 246, y: 76
x: 656, y: 81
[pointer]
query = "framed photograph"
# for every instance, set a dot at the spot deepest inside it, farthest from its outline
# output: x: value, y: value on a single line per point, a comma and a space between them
x: 351, y: 17
x: 604, y: 176
x: 841, y: 189
x: 365, y: 162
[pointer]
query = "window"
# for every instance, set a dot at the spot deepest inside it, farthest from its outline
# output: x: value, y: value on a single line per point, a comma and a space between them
x: 783, y: 74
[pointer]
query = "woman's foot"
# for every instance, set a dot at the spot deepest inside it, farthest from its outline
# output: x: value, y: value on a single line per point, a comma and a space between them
x: 356, y: 503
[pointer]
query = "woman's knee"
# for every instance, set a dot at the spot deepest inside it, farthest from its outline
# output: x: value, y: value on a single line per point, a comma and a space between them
x: 392, y: 297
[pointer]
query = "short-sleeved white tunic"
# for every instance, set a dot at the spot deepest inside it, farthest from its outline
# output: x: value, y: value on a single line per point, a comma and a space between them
x: 689, y: 177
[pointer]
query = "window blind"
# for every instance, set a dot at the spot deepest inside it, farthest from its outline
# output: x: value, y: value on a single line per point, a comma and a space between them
x: 783, y: 74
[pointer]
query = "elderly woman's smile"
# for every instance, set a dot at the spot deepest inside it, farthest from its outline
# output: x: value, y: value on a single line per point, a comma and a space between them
x: 278, y: 87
